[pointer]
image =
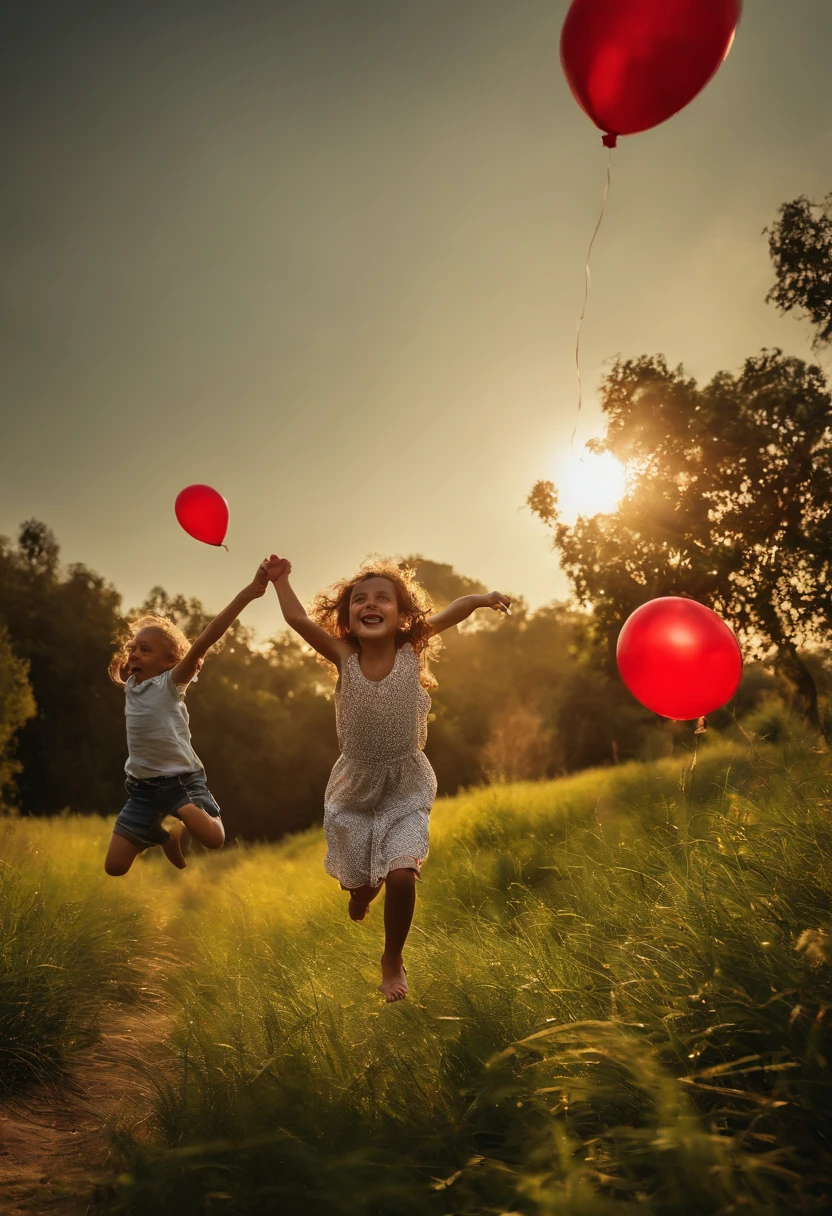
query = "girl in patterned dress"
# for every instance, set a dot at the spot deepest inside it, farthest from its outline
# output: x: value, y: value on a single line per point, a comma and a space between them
x: 377, y: 629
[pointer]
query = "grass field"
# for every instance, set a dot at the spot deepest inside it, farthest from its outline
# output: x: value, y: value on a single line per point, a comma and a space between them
x: 621, y: 998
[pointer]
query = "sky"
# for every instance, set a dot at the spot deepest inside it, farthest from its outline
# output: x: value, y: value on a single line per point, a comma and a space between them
x: 328, y: 258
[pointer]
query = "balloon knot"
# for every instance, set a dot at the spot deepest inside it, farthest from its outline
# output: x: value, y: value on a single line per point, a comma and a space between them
x: 609, y: 140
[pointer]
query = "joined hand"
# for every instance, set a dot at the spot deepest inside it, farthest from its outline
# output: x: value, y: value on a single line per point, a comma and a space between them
x: 278, y: 567
x: 261, y: 579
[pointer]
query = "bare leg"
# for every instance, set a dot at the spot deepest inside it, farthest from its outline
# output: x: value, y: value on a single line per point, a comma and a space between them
x: 399, y: 902
x: 205, y: 828
x: 176, y: 846
x: 120, y: 855
x: 360, y: 900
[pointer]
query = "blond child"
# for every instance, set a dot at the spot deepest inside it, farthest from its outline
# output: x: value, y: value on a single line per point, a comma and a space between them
x: 154, y: 665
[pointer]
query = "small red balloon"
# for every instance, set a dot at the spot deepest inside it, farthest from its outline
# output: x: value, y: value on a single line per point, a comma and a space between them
x: 203, y: 513
x: 631, y: 64
x: 679, y: 658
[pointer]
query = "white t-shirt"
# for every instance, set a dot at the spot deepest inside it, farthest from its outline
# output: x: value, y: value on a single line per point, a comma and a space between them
x: 158, y: 734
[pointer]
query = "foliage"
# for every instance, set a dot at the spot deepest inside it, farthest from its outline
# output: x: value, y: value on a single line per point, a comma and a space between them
x: 729, y: 485
x: 800, y: 244
x: 512, y: 700
x: 62, y: 624
x: 728, y: 501
x: 518, y: 746
x: 17, y: 706
x: 38, y: 546
x: 520, y: 697
x: 443, y: 583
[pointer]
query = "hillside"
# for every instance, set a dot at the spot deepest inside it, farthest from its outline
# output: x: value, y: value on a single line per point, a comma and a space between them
x: 619, y: 996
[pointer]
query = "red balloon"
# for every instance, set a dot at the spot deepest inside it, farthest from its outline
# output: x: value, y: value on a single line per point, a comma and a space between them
x: 679, y: 658
x: 203, y: 513
x: 631, y: 64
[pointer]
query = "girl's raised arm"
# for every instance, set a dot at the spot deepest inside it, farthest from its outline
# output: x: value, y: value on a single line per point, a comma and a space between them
x: 461, y: 609
x: 295, y: 615
x: 186, y: 668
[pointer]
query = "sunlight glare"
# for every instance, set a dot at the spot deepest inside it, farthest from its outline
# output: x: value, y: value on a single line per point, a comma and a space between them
x: 588, y: 483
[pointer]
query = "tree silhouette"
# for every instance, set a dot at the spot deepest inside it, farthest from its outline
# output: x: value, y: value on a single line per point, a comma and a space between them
x: 728, y: 501
x: 441, y: 581
x: 38, y: 545
x: 61, y: 622
x: 800, y: 243
x: 728, y: 498
x: 17, y: 706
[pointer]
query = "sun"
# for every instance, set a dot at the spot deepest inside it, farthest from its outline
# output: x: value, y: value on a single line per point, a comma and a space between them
x: 588, y: 483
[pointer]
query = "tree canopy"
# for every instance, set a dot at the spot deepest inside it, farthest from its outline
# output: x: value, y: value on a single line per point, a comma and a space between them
x: 17, y: 706
x: 515, y: 697
x: 800, y: 244
x: 729, y: 490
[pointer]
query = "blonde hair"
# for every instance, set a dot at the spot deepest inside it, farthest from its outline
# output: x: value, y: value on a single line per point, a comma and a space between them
x: 331, y: 610
x: 178, y: 644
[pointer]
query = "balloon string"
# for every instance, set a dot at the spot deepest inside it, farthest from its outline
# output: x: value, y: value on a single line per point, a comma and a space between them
x: 699, y: 729
x: 587, y: 283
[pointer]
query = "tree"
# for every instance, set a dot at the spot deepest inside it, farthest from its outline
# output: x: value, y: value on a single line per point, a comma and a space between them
x: 800, y: 243
x: 37, y: 544
x: 17, y: 706
x: 512, y: 698
x: 62, y: 622
x: 518, y: 747
x: 441, y: 581
x: 188, y: 613
x: 728, y: 501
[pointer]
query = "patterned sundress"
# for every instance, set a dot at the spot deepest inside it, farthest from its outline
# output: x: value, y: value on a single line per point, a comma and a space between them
x: 381, y: 789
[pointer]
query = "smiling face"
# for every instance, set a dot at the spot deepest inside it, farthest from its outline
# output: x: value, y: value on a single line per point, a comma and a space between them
x: 148, y: 655
x: 374, y: 610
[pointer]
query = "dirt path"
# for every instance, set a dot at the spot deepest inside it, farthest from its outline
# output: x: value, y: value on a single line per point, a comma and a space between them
x: 54, y: 1144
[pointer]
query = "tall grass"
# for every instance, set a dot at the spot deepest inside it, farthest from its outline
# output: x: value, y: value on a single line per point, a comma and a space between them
x: 608, y: 1010
x: 69, y: 940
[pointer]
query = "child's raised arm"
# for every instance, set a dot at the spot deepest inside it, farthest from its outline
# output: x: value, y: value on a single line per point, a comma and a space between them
x: 461, y: 609
x: 186, y: 668
x: 295, y: 615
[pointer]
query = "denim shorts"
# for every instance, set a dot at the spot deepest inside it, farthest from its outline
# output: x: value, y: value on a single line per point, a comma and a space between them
x: 151, y: 799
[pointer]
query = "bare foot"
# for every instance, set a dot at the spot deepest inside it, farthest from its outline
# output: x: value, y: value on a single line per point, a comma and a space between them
x: 357, y: 909
x: 176, y: 846
x: 393, y: 979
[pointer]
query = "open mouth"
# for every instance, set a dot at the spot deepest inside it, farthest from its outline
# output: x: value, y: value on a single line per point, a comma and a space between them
x: 372, y: 618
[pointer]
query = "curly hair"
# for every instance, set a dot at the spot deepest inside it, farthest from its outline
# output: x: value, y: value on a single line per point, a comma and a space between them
x: 331, y: 610
x: 178, y: 644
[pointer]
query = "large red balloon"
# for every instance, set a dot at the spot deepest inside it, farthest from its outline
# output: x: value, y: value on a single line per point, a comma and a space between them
x: 631, y: 64
x: 678, y: 658
x: 203, y: 513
